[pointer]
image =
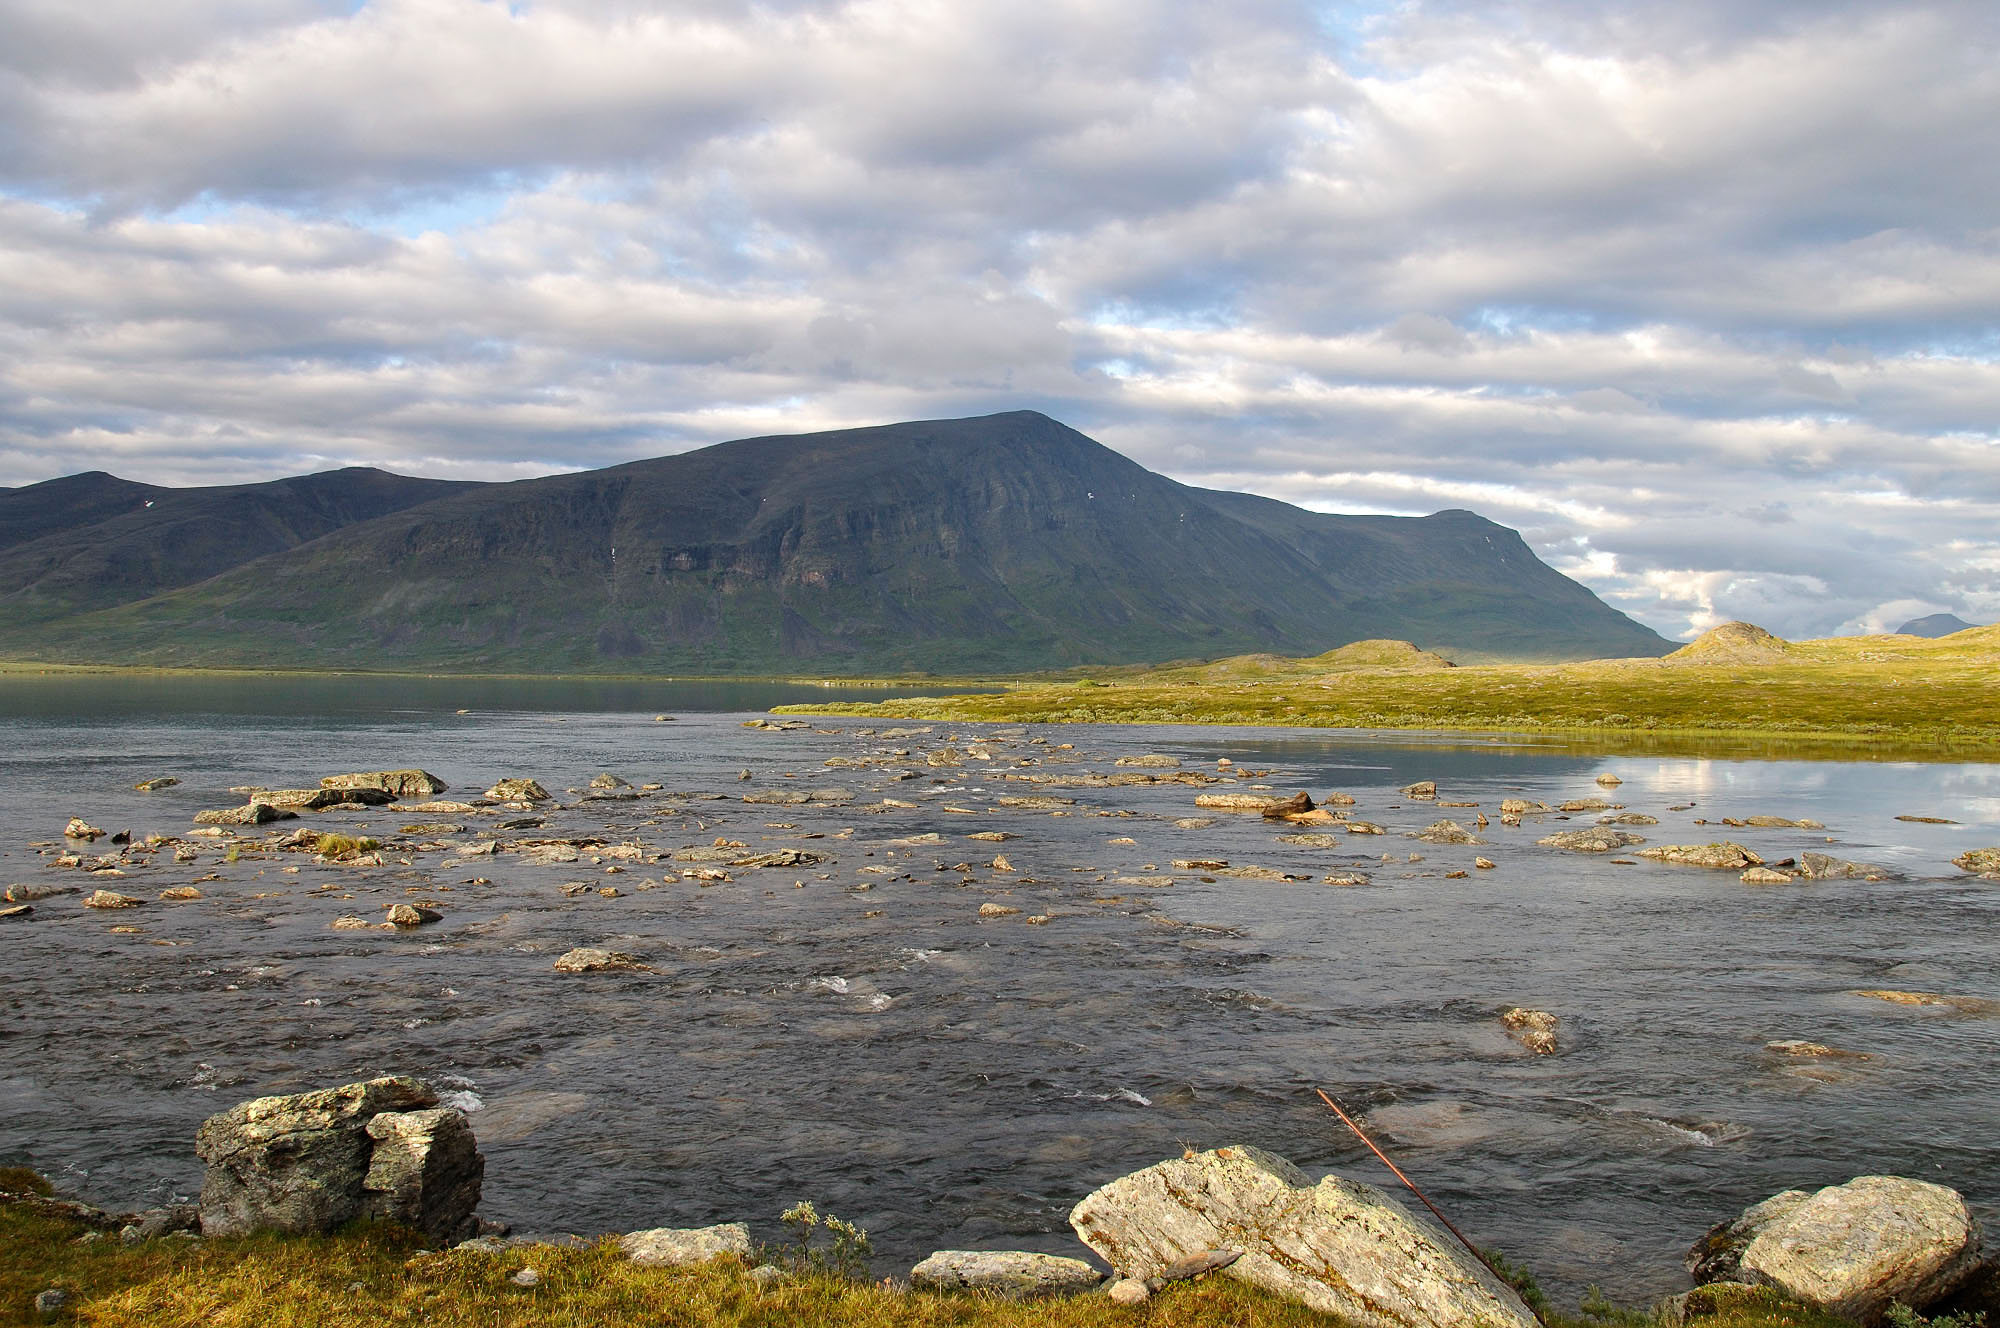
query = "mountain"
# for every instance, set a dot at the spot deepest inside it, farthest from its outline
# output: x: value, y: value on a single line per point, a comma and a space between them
x: 1003, y: 543
x: 1936, y: 625
x: 90, y: 541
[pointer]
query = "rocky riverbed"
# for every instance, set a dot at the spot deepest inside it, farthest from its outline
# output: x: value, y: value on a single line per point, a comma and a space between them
x: 936, y: 979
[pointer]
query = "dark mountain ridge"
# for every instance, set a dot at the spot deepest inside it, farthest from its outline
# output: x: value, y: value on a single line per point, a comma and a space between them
x: 1003, y: 543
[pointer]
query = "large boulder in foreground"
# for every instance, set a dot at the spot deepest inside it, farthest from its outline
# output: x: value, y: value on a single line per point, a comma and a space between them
x: 1340, y: 1247
x: 1851, y: 1249
x: 308, y: 1162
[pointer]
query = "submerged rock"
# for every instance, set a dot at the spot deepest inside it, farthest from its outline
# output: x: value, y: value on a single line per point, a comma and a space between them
x: 155, y: 785
x: 307, y: 1163
x: 1850, y: 1249
x: 678, y: 1247
x: 1009, y: 1274
x: 1340, y: 1247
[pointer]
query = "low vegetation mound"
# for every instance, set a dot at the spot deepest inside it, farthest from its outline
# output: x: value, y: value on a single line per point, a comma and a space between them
x: 1734, y: 642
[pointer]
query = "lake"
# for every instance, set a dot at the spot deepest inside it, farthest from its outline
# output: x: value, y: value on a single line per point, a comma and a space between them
x: 855, y: 1033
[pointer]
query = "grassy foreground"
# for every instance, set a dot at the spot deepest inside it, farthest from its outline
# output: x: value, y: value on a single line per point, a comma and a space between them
x: 369, y: 1275
x: 1738, y: 682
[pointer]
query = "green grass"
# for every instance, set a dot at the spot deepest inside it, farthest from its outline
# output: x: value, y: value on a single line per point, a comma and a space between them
x: 1892, y: 693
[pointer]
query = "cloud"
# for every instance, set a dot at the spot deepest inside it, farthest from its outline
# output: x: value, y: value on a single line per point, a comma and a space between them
x: 1702, y: 298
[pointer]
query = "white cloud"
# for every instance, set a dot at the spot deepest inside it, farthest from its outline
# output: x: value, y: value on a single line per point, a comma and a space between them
x: 1704, y: 298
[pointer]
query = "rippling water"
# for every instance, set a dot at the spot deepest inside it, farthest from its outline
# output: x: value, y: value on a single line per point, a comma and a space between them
x: 856, y: 1034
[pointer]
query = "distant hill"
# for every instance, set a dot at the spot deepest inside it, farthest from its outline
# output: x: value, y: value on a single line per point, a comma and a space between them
x: 1936, y: 625
x: 999, y: 544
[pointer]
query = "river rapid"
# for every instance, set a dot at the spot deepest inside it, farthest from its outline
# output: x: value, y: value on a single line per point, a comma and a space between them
x: 853, y: 1031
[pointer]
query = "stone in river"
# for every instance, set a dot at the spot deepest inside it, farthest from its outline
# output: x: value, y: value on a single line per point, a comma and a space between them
x: 411, y: 915
x: 1422, y: 790
x: 351, y: 922
x: 1521, y: 807
x: 17, y: 911
x: 1008, y: 1274
x: 1152, y: 761
x: 1597, y: 839
x: 1726, y: 856
x: 1609, y: 780
x: 154, y: 785
x: 591, y: 959
x: 425, y: 1171
x: 1826, y: 867
x: 679, y: 1247
x: 1765, y: 876
x: 1341, y: 1247
x: 78, y: 828
x: 255, y: 813
x: 993, y: 910
x: 180, y: 892
x: 398, y: 783
x: 1533, y: 1029
x: 607, y: 780
x: 518, y: 790
x: 110, y: 899
x: 1448, y: 832
x: 1297, y: 805
x: 1982, y: 861
x: 1851, y: 1249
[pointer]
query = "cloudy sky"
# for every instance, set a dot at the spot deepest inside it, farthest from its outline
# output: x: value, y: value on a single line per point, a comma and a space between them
x: 1703, y: 297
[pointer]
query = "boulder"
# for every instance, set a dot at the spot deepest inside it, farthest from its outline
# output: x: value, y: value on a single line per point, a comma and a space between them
x: 1009, y: 1274
x: 518, y: 790
x: 591, y: 959
x: 677, y: 1247
x: 607, y: 780
x: 412, y: 915
x: 155, y: 785
x: 1983, y: 861
x: 1533, y: 1029
x: 1422, y: 790
x: 1826, y: 867
x: 1341, y: 1247
x: 1765, y: 876
x: 1448, y: 832
x: 306, y: 1163
x: 319, y: 799
x: 1521, y: 807
x: 110, y: 899
x: 425, y: 1171
x: 1597, y: 839
x: 78, y: 828
x: 396, y: 783
x: 255, y: 813
x: 1296, y: 805
x: 1850, y: 1249
x: 1725, y: 856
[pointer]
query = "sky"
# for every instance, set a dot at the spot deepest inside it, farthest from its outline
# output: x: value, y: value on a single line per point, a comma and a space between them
x: 1703, y: 297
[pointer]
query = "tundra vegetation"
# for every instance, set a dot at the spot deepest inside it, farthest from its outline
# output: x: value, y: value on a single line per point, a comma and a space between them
x: 1736, y: 683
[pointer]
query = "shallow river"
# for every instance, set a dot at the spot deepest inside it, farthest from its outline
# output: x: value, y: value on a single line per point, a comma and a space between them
x: 855, y: 1033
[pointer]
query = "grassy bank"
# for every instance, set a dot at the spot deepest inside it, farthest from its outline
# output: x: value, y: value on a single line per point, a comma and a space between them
x: 376, y: 1275
x: 1845, y: 695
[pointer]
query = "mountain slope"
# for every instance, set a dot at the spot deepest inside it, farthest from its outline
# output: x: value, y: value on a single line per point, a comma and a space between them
x: 93, y: 540
x: 1008, y: 542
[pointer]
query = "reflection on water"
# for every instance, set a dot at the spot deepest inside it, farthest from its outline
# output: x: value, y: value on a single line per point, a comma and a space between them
x: 855, y: 1033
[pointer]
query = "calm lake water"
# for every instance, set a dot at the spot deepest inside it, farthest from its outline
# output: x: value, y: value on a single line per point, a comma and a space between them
x: 854, y: 1033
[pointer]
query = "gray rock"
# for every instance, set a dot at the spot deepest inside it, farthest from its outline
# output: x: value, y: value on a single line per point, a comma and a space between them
x: 1152, y: 761
x: 1448, y: 832
x: 1726, y: 856
x: 425, y: 1171
x: 78, y: 828
x: 1129, y: 1291
x: 1597, y: 839
x: 51, y: 1303
x: 305, y: 1163
x: 526, y: 1277
x: 1826, y: 867
x: 607, y: 780
x: 1009, y: 1274
x: 676, y: 1247
x: 591, y: 959
x: 319, y: 799
x: 1340, y: 1247
x: 518, y: 790
x: 255, y: 813
x: 767, y: 1276
x: 110, y: 899
x: 1521, y: 807
x: 412, y: 915
x: 1850, y: 1249
x: 1421, y: 791
x: 397, y: 783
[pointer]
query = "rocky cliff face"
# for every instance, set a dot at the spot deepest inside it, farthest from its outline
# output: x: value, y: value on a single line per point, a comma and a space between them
x: 1008, y: 542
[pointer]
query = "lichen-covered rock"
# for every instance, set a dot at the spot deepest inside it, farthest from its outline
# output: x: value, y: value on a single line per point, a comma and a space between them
x: 110, y: 899
x: 397, y: 783
x: 1521, y: 807
x: 1421, y: 791
x: 1448, y: 832
x: 319, y: 799
x: 518, y: 790
x: 1533, y: 1029
x: 1726, y: 856
x: 1826, y: 867
x: 1765, y: 876
x: 591, y: 959
x: 677, y: 1247
x: 254, y: 813
x: 1597, y: 839
x: 1340, y: 1247
x: 412, y: 915
x: 1010, y: 1274
x: 155, y: 785
x: 305, y: 1163
x: 1851, y: 1249
x: 1983, y: 861
x: 425, y: 1171
x: 78, y: 828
